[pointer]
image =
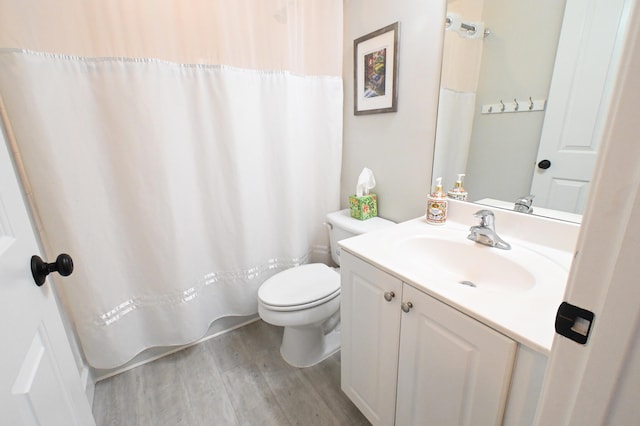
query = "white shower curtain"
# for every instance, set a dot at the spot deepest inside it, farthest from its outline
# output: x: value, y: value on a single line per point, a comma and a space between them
x: 461, y: 61
x: 181, y: 153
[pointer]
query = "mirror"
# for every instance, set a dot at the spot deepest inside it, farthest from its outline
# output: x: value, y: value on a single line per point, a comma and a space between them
x: 499, y: 62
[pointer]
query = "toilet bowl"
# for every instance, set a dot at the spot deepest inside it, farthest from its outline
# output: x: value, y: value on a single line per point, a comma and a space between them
x: 302, y: 300
x: 305, y: 300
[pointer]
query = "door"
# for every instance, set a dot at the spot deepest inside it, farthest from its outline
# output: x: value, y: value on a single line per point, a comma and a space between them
x: 578, y: 98
x: 598, y: 383
x: 40, y: 381
x: 453, y: 370
x: 370, y: 316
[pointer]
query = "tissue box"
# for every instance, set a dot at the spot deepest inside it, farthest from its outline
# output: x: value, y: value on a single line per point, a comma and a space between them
x: 364, y: 207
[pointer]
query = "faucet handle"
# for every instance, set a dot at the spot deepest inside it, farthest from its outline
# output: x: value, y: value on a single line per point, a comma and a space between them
x: 486, y: 217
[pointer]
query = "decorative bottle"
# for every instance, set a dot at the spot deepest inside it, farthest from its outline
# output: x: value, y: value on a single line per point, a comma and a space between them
x: 437, y: 205
x: 458, y: 192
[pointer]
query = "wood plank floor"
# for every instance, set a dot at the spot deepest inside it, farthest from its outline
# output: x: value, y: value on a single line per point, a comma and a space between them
x: 238, y: 378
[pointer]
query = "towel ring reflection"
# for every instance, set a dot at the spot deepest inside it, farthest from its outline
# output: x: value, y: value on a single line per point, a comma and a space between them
x: 516, y: 102
x: 530, y: 103
x: 502, y: 106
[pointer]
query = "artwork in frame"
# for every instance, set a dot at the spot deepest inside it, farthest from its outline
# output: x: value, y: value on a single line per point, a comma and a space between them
x: 375, y: 69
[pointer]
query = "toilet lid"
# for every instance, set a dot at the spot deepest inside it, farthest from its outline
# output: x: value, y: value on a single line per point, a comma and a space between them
x: 300, y: 285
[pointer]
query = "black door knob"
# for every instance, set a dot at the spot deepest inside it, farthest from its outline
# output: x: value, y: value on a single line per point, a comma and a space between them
x: 40, y: 269
x: 544, y: 164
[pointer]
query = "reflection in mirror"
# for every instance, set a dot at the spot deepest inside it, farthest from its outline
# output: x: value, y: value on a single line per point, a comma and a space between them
x: 496, y: 89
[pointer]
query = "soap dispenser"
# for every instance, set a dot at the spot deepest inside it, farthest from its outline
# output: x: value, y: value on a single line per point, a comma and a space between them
x: 458, y: 192
x: 437, y: 205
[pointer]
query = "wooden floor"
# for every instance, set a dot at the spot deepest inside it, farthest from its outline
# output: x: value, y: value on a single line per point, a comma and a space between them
x: 238, y: 378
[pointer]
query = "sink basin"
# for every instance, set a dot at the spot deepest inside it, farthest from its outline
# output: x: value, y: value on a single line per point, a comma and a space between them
x: 466, y: 263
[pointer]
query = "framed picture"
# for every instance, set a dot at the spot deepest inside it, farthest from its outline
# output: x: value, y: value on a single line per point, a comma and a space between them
x: 375, y: 71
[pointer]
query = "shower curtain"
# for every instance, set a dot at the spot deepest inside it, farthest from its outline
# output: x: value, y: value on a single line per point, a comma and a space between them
x: 461, y: 61
x: 180, y: 152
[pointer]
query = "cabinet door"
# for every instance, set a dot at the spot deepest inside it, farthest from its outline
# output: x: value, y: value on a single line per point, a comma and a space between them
x: 370, y: 336
x: 453, y: 369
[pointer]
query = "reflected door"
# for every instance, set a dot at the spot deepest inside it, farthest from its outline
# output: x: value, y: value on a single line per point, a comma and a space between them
x: 578, y: 102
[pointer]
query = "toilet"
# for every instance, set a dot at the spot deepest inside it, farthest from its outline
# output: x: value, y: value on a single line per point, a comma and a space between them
x: 305, y: 300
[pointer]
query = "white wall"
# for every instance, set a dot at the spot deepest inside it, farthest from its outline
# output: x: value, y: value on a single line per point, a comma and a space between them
x: 397, y: 146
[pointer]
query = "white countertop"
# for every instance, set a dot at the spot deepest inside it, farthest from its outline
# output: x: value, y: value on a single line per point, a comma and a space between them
x: 525, y: 315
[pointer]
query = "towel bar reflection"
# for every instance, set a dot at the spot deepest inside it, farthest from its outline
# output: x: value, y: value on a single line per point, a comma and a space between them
x: 469, y: 28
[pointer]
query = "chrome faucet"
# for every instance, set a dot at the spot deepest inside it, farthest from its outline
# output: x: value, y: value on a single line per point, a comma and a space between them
x: 485, y: 233
x: 523, y: 204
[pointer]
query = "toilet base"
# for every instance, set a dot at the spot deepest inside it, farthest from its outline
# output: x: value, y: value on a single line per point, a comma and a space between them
x: 307, y: 346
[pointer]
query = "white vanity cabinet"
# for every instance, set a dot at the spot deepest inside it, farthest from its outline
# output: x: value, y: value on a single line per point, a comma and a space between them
x: 409, y: 359
x: 370, y: 331
x: 453, y: 369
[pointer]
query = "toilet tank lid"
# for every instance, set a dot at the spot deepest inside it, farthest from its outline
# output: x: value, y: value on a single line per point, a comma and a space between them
x: 344, y: 220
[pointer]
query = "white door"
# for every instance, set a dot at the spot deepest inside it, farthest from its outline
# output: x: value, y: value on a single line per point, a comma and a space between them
x: 40, y: 381
x: 453, y: 370
x: 599, y: 383
x: 578, y: 97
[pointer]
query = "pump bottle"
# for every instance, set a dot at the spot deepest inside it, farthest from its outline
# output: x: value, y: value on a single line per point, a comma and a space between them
x: 458, y: 192
x: 437, y: 205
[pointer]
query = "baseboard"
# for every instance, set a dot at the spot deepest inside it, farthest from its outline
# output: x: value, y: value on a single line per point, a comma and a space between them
x: 217, y: 328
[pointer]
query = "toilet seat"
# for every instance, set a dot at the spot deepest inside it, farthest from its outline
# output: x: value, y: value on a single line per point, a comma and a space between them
x: 302, y: 287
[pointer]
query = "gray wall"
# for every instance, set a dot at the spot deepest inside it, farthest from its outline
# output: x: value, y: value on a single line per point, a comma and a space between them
x: 397, y: 146
x: 517, y: 62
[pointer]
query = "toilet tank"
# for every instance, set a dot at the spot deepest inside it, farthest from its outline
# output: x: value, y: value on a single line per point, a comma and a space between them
x: 342, y: 225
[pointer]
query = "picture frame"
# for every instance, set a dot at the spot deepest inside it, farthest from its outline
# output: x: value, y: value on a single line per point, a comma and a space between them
x: 375, y: 71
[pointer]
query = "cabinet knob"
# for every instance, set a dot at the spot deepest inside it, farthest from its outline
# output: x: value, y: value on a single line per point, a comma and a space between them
x: 406, y: 306
x: 389, y: 295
